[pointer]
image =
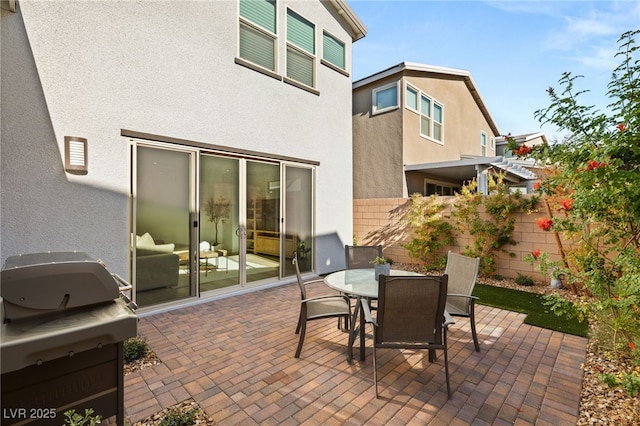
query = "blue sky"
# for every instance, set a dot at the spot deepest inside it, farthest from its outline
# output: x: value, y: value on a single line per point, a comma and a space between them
x: 514, y: 50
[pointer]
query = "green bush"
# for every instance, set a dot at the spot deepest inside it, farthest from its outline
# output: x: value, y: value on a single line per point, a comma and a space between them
x: 524, y: 280
x: 178, y: 417
x: 135, y: 348
x: 74, y: 419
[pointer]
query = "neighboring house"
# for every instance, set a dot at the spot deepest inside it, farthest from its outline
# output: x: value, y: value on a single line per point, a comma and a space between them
x: 422, y: 129
x: 200, y: 122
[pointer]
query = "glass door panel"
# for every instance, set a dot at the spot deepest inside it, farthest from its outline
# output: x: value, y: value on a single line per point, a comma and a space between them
x: 262, y: 220
x: 162, y: 198
x: 298, y: 220
x: 218, y: 245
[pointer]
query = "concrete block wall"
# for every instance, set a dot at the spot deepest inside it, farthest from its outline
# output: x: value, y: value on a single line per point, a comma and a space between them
x: 382, y: 221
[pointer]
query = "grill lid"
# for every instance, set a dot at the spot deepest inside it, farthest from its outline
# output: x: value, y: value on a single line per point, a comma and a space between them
x: 43, y: 283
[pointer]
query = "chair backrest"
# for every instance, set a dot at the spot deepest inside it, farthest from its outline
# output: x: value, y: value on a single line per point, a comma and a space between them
x: 303, y: 291
x: 361, y: 257
x: 410, y: 310
x: 463, y: 272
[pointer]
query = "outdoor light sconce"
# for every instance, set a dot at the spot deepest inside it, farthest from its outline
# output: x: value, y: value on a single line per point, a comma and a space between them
x: 75, y: 155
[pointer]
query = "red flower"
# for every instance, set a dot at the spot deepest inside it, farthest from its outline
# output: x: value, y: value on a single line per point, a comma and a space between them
x: 621, y: 127
x: 535, y: 253
x: 567, y: 203
x: 544, y: 223
x: 594, y: 165
x: 536, y: 186
x: 632, y: 346
x: 523, y: 150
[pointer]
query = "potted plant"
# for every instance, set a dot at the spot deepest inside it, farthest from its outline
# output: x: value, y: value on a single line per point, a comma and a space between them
x: 217, y: 211
x: 302, y: 252
x: 382, y: 266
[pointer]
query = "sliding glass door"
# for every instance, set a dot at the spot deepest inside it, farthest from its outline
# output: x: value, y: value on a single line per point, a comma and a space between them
x: 218, y: 245
x: 263, y: 220
x: 298, y: 218
x: 163, y: 203
x: 206, y: 222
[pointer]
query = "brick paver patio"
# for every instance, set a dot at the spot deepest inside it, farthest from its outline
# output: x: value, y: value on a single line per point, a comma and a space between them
x: 234, y: 357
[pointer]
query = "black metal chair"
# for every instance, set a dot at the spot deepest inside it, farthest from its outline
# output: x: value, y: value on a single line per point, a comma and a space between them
x: 331, y: 306
x: 411, y: 315
x: 463, y: 272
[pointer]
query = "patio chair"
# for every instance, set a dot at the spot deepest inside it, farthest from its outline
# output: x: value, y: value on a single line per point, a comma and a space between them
x: 361, y: 257
x: 411, y: 315
x: 330, y: 306
x: 463, y: 272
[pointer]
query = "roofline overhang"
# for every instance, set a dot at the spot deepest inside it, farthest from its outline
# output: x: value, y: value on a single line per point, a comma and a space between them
x: 499, y: 162
x: 523, y: 138
x: 412, y: 66
x: 358, y: 29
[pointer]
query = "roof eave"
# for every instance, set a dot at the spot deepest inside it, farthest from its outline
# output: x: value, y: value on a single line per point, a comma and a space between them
x: 411, y: 66
x: 358, y: 29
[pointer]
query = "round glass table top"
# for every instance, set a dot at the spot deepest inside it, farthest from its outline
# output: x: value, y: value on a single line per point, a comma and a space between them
x: 359, y: 282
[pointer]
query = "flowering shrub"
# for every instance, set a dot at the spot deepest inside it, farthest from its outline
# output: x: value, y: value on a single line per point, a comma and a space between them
x: 522, y: 151
x: 544, y: 223
x: 594, y: 182
x: 493, y: 231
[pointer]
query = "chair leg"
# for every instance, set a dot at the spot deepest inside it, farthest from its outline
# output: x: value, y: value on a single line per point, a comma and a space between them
x: 303, y: 329
x: 299, y: 323
x: 375, y: 369
x: 446, y: 371
x: 472, y: 318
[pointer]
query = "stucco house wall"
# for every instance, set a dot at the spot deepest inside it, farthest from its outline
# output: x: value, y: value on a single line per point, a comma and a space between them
x: 377, y: 147
x: 91, y: 69
x: 383, y: 143
x: 463, y: 121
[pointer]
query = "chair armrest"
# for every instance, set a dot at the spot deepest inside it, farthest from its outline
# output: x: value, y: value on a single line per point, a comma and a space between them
x: 448, y: 320
x: 462, y: 295
x: 329, y: 296
x: 314, y: 281
x: 367, y: 312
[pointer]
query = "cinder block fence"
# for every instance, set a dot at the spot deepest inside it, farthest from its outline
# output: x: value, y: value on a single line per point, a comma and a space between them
x: 382, y: 221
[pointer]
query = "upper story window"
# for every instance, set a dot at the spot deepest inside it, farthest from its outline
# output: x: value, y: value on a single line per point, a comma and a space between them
x: 411, y: 98
x: 483, y: 143
x: 258, y: 32
x: 333, y: 51
x: 431, y: 118
x: 301, y: 49
x: 385, y: 98
x: 493, y: 143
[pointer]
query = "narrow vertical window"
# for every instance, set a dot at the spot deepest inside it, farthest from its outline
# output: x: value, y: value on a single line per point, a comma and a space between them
x: 425, y: 116
x: 333, y: 51
x: 257, y: 36
x: 437, y: 121
x: 411, y: 98
x: 483, y: 143
x: 301, y: 49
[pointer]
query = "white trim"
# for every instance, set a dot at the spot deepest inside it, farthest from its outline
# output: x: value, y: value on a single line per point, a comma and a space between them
x: 313, y: 56
x: 483, y: 143
x: 375, y: 91
x: 344, y: 47
x: 407, y: 86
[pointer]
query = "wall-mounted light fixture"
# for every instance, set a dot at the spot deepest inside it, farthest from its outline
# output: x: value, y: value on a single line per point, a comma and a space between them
x: 75, y: 155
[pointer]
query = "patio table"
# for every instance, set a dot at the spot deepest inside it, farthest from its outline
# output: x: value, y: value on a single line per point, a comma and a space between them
x: 362, y: 284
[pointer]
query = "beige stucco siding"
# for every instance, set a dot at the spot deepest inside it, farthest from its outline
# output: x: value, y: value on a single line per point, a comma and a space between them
x: 377, y: 147
x: 463, y: 121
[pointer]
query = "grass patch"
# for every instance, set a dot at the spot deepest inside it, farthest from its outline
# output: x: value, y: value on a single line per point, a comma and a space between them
x: 531, y: 304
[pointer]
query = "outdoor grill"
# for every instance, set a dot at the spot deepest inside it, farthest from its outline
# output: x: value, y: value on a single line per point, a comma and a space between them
x: 64, y: 320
